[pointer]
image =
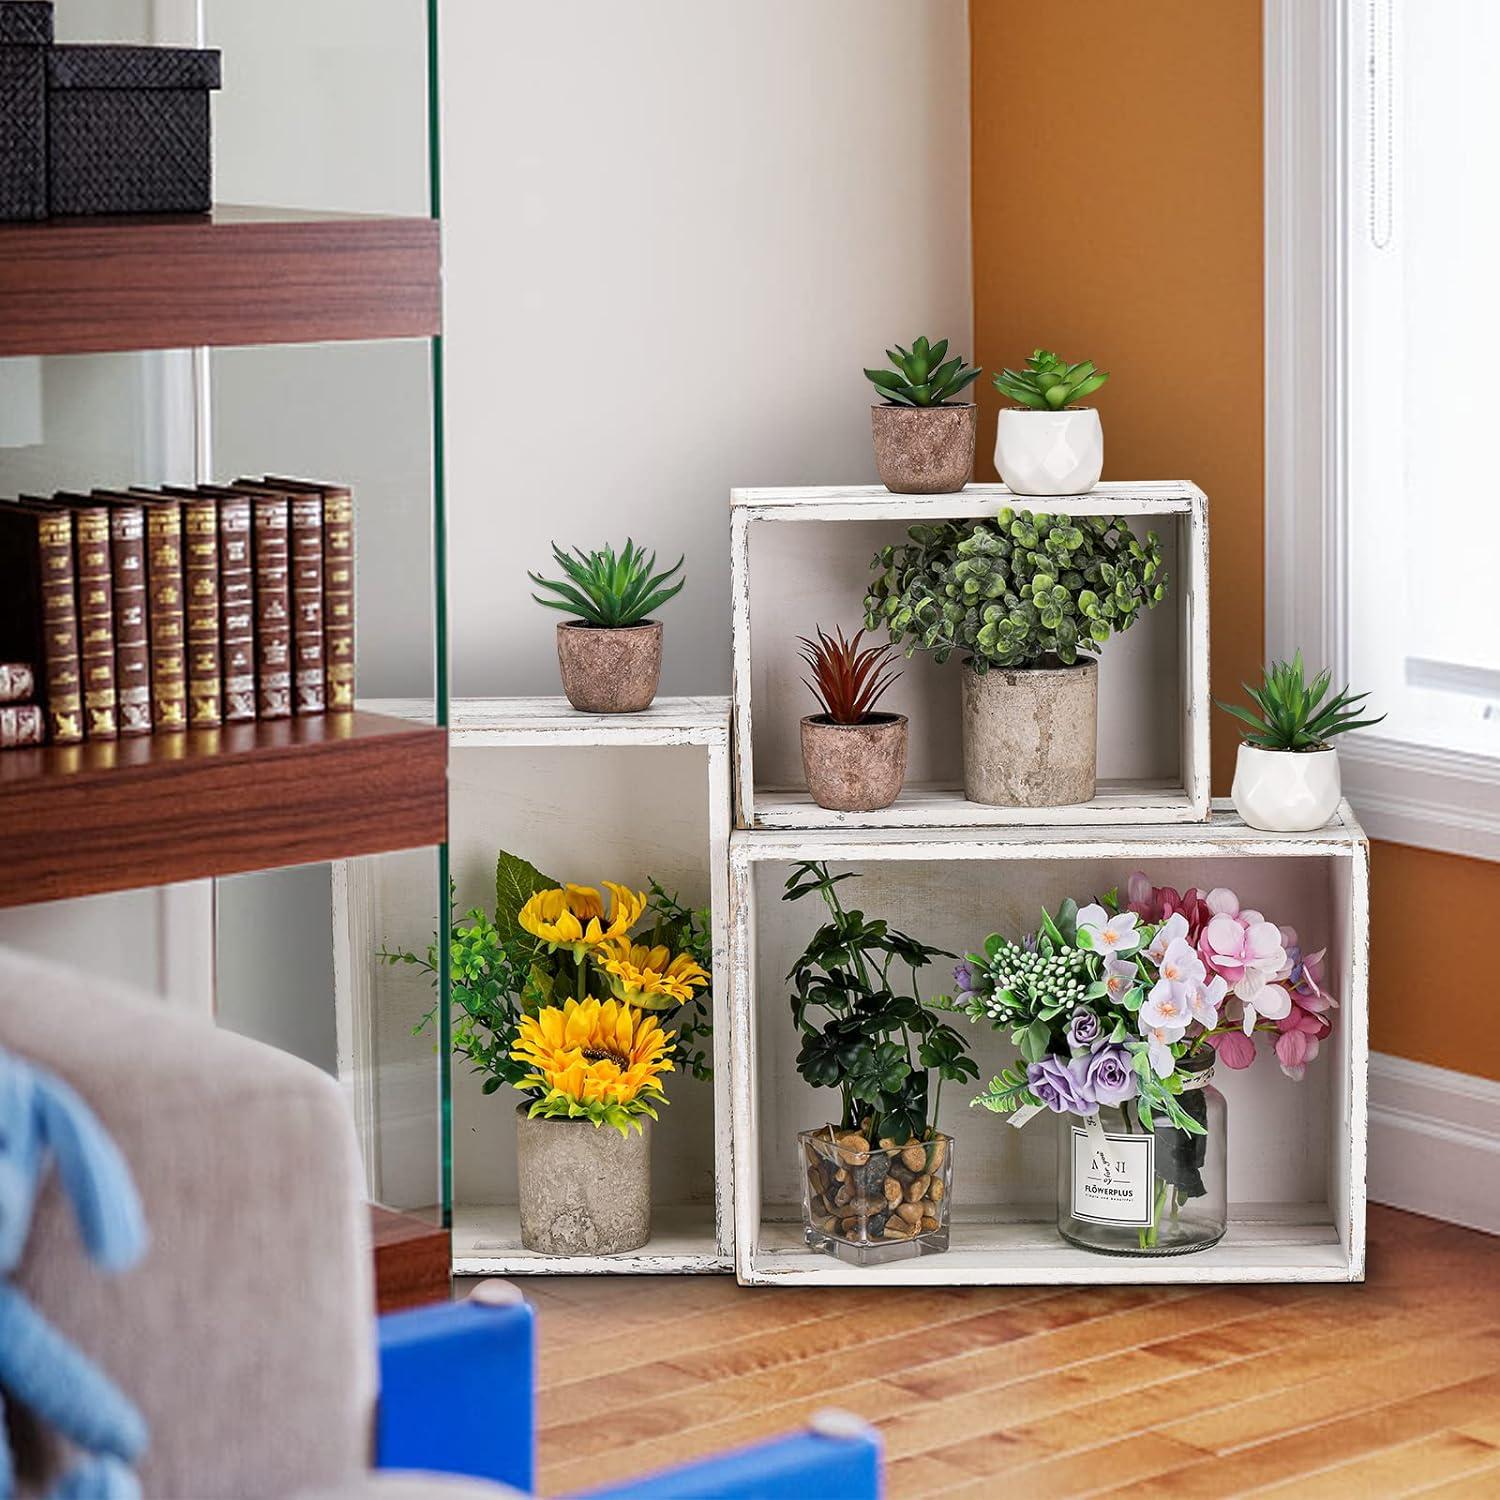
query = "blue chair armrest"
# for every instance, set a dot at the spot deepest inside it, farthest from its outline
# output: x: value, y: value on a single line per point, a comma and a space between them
x: 458, y: 1392
x: 840, y: 1463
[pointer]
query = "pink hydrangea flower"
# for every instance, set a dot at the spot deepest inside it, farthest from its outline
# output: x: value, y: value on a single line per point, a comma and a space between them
x: 1161, y: 902
x: 1234, y: 1049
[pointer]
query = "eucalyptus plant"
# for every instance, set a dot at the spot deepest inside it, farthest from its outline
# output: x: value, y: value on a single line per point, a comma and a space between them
x: 1022, y: 590
x: 1294, y: 714
x: 1048, y: 383
x: 865, y: 1031
x: 920, y: 376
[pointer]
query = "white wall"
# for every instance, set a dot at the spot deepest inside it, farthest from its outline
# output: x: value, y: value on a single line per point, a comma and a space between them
x: 675, y: 231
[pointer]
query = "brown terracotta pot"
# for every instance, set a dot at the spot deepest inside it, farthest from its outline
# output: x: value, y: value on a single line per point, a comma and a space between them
x: 609, y: 671
x: 854, y: 767
x: 924, y: 450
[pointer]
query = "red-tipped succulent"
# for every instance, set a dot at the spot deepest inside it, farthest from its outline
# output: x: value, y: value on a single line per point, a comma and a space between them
x: 848, y: 680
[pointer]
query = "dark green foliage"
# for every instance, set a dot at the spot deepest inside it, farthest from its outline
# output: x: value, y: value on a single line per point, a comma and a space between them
x: 1292, y: 714
x: 1018, y: 591
x: 607, y: 590
x: 876, y: 1045
x: 1049, y: 383
x: 920, y: 376
x: 684, y: 929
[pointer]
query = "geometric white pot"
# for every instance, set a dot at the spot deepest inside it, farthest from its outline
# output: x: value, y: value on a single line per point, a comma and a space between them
x: 1049, y: 452
x: 1286, y: 791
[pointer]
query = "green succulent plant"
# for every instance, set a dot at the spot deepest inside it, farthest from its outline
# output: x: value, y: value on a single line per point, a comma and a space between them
x: 1019, y: 591
x: 1049, y: 383
x: 1293, y: 714
x: 920, y: 376
x: 607, y: 590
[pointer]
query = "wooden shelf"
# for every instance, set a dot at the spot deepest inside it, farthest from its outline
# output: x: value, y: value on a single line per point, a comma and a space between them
x: 487, y: 1242
x: 232, y: 277
x: 411, y: 1259
x: 110, y: 815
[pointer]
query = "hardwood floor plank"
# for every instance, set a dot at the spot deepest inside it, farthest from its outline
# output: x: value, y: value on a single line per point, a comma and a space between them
x: 1068, y: 1475
x: 1484, y: 1484
x: 1406, y: 1469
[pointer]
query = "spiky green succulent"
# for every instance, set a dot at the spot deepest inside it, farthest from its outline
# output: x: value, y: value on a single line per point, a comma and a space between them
x: 1019, y: 591
x: 1293, y: 714
x: 1049, y: 383
x: 920, y: 376
x: 608, y: 590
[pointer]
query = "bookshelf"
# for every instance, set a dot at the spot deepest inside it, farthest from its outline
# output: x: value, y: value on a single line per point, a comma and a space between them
x: 236, y: 276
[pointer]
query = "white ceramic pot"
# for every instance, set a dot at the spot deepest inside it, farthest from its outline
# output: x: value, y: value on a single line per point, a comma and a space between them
x: 1286, y: 791
x: 1049, y: 452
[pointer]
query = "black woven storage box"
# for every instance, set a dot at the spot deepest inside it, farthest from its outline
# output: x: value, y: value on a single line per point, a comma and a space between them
x: 128, y: 131
x: 25, y: 33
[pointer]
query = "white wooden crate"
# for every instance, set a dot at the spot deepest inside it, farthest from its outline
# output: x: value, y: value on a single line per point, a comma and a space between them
x: 1296, y: 1150
x: 800, y: 557
x: 585, y: 797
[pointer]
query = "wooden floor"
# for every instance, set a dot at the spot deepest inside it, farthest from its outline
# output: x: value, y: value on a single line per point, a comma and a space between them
x: 1390, y: 1388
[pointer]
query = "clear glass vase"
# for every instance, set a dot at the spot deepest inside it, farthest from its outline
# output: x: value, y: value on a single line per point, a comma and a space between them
x: 1127, y: 1190
x: 871, y: 1204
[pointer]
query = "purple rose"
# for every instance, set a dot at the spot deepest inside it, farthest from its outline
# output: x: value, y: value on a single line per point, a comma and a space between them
x: 1083, y: 1030
x: 1061, y: 1084
x: 1109, y: 1075
x: 963, y: 977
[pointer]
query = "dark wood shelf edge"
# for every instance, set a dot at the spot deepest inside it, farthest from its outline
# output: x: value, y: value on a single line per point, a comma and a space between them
x: 237, y: 276
x: 81, y: 820
x: 413, y: 1259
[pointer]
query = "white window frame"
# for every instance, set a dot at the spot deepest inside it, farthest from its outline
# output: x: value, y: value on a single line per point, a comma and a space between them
x: 1404, y: 792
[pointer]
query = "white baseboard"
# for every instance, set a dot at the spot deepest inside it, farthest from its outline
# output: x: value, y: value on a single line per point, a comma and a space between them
x: 1435, y: 1142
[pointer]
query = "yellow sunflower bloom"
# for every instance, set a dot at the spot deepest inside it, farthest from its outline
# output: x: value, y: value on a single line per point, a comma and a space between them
x: 649, y: 977
x: 596, y: 1054
x: 572, y: 916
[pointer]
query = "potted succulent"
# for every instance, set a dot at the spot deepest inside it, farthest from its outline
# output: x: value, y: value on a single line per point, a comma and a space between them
x: 1024, y: 597
x: 877, y: 1185
x: 854, y: 757
x: 562, y: 998
x: 1045, y: 445
x: 610, y: 652
x: 924, y: 438
x: 1286, y: 776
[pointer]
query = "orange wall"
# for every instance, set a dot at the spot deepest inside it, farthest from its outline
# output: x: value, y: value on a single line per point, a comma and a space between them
x: 1117, y: 217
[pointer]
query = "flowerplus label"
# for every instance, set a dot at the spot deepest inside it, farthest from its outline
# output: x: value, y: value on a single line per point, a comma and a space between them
x: 1112, y: 1177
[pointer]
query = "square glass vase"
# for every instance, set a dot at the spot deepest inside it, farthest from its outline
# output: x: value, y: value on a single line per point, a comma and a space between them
x: 867, y: 1203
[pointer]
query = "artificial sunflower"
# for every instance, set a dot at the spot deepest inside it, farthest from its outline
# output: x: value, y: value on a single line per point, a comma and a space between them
x: 649, y: 977
x: 600, y: 1060
x: 572, y: 916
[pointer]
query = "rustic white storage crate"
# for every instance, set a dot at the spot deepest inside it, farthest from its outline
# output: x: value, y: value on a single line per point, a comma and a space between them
x: 800, y: 557
x: 1296, y: 1149
x: 584, y: 798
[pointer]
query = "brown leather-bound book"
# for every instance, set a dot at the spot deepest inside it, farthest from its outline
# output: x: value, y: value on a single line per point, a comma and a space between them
x: 305, y: 531
x: 166, y: 634
x: 200, y: 583
x: 39, y: 609
x: 269, y: 520
x: 17, y: 681
x: 21, y: 724
x: 236, y: 603
x: 94, y: 581
x: 338, y: 585
x: 127, y: 554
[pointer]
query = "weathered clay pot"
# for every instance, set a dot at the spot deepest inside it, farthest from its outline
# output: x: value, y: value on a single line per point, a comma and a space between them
x: 608, y: 671
x: 585, y: 1189
x: 924, y: 450
x: 1029, y: 735
x: 854, y: 767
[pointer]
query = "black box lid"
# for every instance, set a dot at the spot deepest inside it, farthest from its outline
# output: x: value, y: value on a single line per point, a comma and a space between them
x: 123, y: 67
x: 25, y: 23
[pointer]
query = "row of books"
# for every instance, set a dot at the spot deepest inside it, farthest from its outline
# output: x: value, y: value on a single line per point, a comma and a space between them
x: 180, y: 608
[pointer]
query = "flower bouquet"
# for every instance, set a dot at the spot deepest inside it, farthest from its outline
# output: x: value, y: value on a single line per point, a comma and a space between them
x: 1119, y: 1011
x: 563, y: 996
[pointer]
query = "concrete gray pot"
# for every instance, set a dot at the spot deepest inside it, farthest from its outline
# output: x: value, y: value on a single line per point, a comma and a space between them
x: 1030, y: 735
x: 854, y: 767
x: 925, y: 450
x: 585, y: 1189
x: 610, y: 671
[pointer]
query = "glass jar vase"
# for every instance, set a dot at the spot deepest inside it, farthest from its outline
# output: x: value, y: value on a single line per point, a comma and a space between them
x: 1124, y: 1189
x: 871, y: 1204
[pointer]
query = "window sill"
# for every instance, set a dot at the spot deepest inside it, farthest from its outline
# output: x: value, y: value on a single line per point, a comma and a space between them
x: 1432, y: 799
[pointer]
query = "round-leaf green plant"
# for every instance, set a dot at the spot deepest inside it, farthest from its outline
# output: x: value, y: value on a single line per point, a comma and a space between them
x: 1022, y: 590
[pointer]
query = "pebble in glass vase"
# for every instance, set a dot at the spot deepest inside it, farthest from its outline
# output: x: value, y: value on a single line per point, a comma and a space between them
x: 1124, y: 1189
